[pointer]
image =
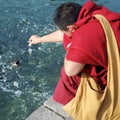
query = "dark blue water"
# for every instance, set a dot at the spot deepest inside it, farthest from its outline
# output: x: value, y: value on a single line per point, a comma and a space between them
x: 24, y: 88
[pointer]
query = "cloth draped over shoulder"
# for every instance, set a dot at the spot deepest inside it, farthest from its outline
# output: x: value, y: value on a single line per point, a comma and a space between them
x: 87, y: 45
x: 90, y: 102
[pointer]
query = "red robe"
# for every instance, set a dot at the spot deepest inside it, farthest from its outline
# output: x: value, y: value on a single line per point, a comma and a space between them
x: 87, y: 45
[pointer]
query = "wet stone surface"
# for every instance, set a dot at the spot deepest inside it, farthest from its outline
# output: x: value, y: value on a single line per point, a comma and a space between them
x: 51, y: 110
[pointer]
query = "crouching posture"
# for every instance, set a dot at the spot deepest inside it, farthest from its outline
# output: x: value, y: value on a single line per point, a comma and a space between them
x: 89, y: 82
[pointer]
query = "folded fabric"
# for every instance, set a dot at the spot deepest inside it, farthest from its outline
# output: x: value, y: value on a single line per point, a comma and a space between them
x: 90, y: 102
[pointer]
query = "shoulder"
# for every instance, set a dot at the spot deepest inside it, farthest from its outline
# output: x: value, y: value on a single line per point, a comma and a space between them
x: 89, y: 30
x: 89, y: 44
x: 89, y: 34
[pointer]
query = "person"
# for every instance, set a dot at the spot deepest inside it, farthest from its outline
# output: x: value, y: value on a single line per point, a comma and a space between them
x: 85, y: 44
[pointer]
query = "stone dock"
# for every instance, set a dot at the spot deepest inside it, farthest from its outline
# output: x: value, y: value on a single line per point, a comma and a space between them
x: 50, y: 110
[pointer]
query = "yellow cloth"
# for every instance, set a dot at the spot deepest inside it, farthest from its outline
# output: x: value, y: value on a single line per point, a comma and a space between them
x: 90, y: 103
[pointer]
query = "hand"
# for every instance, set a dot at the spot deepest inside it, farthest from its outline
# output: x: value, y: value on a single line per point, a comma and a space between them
x: 34, y: 39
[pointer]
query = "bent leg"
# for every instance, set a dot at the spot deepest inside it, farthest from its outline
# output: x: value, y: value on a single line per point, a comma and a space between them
x: 66, y: 88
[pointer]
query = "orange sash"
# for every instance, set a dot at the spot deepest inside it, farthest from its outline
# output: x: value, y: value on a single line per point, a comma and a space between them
x: 90, y: 103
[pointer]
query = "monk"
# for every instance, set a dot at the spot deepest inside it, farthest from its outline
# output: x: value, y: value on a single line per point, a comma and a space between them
x: 85, y: 44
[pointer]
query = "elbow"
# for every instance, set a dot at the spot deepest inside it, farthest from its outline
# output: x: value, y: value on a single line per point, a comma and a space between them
x: 72, y: 68
x: 69, y: 72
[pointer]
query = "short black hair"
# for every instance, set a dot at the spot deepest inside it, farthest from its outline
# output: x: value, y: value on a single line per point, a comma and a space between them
x: 66, y: 14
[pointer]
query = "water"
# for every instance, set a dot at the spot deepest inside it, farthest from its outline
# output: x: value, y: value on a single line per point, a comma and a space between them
x: 23, y: 89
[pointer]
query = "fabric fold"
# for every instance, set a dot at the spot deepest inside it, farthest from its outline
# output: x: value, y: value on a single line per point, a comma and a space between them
x: 95, y: 104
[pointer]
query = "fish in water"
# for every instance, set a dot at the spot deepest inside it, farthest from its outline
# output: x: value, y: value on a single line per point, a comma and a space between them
x: 16, y: 63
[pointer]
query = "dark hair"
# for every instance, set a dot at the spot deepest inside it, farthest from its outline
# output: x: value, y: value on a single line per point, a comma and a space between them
x: 66, y: 14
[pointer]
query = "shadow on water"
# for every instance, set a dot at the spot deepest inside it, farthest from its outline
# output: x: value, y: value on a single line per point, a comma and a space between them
x: 23, y: 88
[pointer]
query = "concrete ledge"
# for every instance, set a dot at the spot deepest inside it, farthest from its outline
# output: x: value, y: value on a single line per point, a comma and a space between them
x: 51, y: 110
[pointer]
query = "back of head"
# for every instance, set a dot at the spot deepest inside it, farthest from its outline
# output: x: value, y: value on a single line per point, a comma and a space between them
x: 66, y: 14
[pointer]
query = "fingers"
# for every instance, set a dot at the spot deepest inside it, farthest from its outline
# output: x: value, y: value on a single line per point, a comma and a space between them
x: 30, y: 41
x: 29, y: 44
x: 34, y: 39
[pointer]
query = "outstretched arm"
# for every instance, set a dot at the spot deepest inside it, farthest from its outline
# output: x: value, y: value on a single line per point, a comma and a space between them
x: 56, y: 36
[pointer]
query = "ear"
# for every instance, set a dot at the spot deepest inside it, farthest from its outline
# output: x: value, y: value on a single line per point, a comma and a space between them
x: 71, y: 28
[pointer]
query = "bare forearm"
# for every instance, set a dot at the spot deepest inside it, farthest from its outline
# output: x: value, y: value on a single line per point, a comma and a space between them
x: 56, y: 36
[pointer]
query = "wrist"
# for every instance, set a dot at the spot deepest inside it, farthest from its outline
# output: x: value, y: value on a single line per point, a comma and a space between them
x: 40, y: 39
